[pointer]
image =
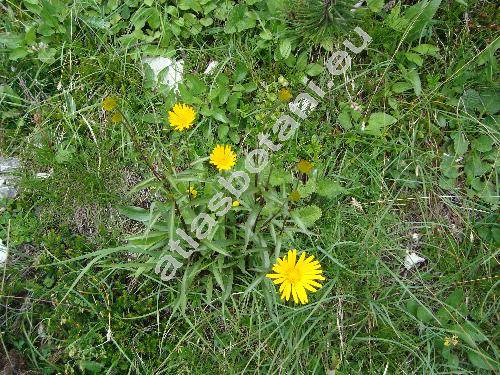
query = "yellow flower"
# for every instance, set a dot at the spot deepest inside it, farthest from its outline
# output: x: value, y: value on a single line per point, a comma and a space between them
x: 181, y: 117
x: 284, y: 95
x: 294, y: 196
x: 192, y: 191
x: 451, y: 341
x: 109, y: 103
x: 304, y: 166
x: 223, y: 157
x: 116, y: 118
x: 296, y: 278
x: 236, y: 203
x: 282, y: 81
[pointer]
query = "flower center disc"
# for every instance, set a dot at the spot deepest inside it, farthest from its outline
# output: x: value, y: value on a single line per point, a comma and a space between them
x: 293, y: 275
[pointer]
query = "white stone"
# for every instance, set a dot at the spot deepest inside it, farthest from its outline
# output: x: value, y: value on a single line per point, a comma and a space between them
x: 3, y: 253
x: 211, y: 66
x: 412, y: 260
x: 43, y: 175
x: 359, y: 4
x: 174, y: 70
x: 9, y: 164
x: 7, y: 181
x: 8, y: 192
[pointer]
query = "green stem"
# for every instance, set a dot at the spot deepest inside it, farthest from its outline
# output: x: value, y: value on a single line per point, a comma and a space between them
x: 145, y: 159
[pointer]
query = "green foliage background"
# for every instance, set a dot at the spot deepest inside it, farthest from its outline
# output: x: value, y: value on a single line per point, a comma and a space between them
x: 405, y: 158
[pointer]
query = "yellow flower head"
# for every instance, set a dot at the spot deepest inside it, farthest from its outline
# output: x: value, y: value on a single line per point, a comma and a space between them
x: 109, y: 103
x: 181, y: 117
x: 236, y: 203
x: 297, y: 277
x: 451, y: 341
x: 223, y: 157
x: 192, y: 191
x: 116, y: 118
x: 294, y: 196
x: 284, y: 95
x: 305, y: 166
x: 282, y: 81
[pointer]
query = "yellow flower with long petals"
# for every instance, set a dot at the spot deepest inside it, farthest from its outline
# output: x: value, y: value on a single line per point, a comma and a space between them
x: 284, y: 95
x: 305, y: 166
x: 223, y: 157
x: 192, y: 191
x: 109, y: 103
x: 451, y: 341
x: 297, y: 277
x: 116, y: 118
x: 294, y: 196
x: 181, y: 117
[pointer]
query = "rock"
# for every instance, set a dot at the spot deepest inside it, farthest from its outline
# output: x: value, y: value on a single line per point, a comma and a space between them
x: 173, y: 70
x: 9, y: 164
x: 7, y: 181
x: 8, y: 192
x: 43, y: 175
x: 3, y: 253
x: 210, y: 68
x: 412, y: 260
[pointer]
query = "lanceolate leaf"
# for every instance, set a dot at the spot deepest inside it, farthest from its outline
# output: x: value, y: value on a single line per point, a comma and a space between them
x: 306, y: 216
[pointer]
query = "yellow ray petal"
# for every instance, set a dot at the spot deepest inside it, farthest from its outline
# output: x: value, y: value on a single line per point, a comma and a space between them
x: 286, y: 292
x: 302, y: 294
x: 314, y: 283
x: 295, y: 296
x: 308, y: 287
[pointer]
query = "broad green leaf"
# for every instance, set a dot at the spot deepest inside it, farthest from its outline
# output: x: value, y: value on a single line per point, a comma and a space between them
x: 415, y: 58
x: 449, y: 166
x: 207, y: 21
x: 413, y: 77
x: 420, y: 16
x: 307, y: 215
x: 483, y: 144
x: 423, y: 314
x: 64, y: 154
x: 400, y: 87
x: 285, y: 48
x: 18, y: 53
x: 209, y: 289
x: 195, y: 84
x: 482, y: 360
x: 426, y: 49
x: 475, y: 166
x: 135, y: 213
x: 308, y: 188
x: 378, y: 122
x: 222, y: 132
x: 219, y: 115
x: 450, y: 357
x: 456, y: 298
x: 375, y: 5
x: 329, y: 188
x: 279, y: 176
x: 240, y: 72
x: 92, y: 366
x: 469, y: 332
x: 460, y: 143
x: 314, y: 69
x: 344, y: 119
